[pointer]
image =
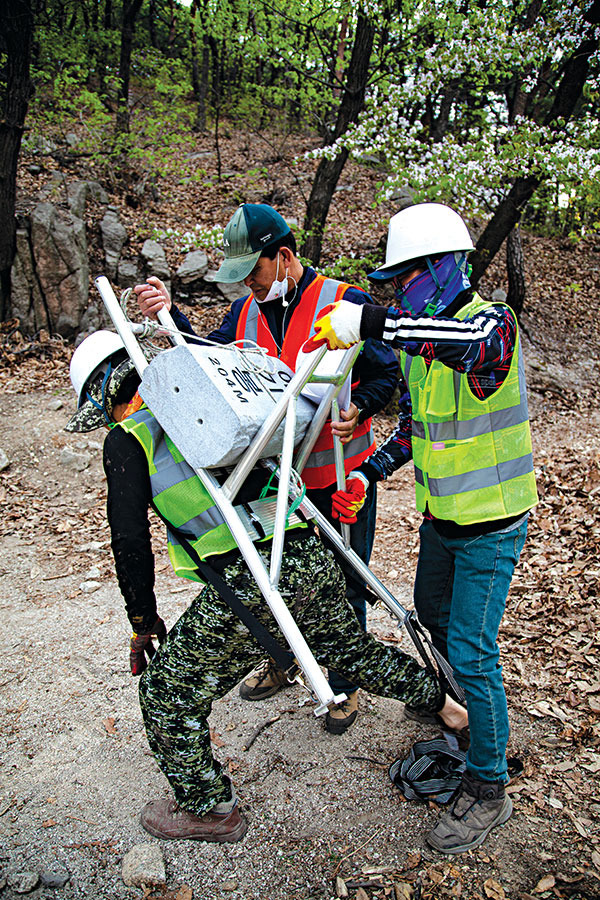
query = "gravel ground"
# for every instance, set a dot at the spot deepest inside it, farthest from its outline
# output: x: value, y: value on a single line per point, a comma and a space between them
x: 76, y: 768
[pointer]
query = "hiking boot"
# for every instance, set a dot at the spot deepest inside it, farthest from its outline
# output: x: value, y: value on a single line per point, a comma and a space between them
x: 341, y: 716
x: 478, y: 807
x: 266, y: 680
x: 167, y: 820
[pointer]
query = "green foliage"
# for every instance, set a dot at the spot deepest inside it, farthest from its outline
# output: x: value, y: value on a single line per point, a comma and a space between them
x: 66, y: 105
x: 465, y: 108
x: 69, y: 98
x: 351, y: 269
x: 457, y: 105
x: 343, y: 267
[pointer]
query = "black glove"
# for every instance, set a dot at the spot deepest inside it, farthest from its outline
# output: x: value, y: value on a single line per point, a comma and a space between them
x: 142, y: 644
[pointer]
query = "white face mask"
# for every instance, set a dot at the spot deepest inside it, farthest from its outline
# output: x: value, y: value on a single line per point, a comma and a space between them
x: 278, y: 288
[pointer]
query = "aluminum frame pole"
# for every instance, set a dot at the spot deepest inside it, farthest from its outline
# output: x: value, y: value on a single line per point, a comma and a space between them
x: 283, y: 493
x: 121, y: 323
x: 357, y: 563
x: 322, y: 413
x: 311, y: 511
x: 165, y: 318
x: 340, y: 473
x: 283, y: 617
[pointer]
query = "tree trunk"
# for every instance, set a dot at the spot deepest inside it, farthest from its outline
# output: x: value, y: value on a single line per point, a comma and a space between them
x: 338, y: 68
x: 130, y: 11
x: 258, y: 71
x: 172, y: 29
x: 324, y: 185
x: 329, y: 171
x: 199, y: 75
x: 215, y: 70
x: 440, y: 122
x: 16, y: 26
x: 507, y: 214
x: 568, y: 93
x: 194, y: 49
x: 517, y: 288
x: 204, y: 76
x: 152, y: 17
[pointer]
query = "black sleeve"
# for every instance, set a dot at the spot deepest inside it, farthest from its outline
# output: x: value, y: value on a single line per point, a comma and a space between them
x: 181, y: 320
x: 129, y: 497
x: 372, y: 323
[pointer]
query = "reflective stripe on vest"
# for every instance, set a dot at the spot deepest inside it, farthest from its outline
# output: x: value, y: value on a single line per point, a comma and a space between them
x: 180, y: 497
x: 472, y: 458
x: 319, y: 471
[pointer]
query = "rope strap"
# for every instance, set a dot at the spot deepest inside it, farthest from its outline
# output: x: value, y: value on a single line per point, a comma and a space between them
x: 432, y: 770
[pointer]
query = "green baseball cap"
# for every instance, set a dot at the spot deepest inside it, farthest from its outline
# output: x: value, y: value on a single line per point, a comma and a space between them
x: 250, y: 230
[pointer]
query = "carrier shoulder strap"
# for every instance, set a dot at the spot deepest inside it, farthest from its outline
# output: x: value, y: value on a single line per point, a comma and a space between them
x: 284, y: 659
x: 444, y: 670
x: 432, y: 770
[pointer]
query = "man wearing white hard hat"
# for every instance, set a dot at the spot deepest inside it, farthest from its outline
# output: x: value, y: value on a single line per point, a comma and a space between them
x: 464, y: 423
x: 285, y: 299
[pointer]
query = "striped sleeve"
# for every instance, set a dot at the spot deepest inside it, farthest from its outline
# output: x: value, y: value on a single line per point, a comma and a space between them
x: 482, y: 343
x: 401, y: 329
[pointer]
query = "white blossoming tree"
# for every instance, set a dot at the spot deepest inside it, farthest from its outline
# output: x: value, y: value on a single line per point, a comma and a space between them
x: 485, y: 103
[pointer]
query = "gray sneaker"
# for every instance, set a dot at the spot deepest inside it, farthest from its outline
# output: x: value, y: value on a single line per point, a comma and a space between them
x: 479, y: 806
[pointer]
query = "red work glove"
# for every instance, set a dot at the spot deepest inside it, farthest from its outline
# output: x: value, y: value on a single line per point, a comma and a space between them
x: 141, y: 646
x: 345, y: 504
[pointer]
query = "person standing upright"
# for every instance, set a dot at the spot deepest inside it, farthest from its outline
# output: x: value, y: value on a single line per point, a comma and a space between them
x: 464, y: 422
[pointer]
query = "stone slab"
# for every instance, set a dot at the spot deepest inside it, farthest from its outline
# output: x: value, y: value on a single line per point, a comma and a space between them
x: 211, y: 402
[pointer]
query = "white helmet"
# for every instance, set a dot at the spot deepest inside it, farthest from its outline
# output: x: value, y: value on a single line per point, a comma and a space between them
x: 426, y: 229
x: 89, y: 357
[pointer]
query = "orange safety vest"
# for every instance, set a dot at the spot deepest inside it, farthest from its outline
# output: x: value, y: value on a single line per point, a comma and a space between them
x: 319, y: 471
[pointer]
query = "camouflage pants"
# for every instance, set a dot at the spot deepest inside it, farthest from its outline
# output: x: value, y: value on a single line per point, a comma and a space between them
x: 209, y: 650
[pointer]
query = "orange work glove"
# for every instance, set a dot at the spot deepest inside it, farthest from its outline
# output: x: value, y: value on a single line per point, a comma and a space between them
x: 338, y: 326
x: 345, y: 504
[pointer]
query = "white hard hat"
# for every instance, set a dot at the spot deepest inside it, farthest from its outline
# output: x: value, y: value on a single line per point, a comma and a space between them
x: 426, y: 229
x: 89, y: 357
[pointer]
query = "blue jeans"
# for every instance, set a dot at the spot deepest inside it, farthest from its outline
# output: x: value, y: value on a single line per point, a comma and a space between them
x: 362, y: 534
x: 461, y: 587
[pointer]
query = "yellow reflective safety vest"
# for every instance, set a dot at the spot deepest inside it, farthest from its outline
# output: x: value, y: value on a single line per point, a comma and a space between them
x: 181, y: 499
x: 473, y: 458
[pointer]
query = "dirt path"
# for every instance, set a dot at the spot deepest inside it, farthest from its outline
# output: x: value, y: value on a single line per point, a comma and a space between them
x: 76, y: 767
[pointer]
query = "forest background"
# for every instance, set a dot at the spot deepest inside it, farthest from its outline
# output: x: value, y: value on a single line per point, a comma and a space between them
x: 338, y: 115
x: 491, y: 106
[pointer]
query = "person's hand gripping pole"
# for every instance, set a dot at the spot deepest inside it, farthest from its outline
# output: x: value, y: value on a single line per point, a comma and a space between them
x: 346, y: 503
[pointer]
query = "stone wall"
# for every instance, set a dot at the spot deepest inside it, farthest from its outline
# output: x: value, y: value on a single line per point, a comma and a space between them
x: 50, y: 278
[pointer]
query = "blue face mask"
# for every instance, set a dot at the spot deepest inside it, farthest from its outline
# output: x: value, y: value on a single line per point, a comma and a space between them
x: 431, y: 291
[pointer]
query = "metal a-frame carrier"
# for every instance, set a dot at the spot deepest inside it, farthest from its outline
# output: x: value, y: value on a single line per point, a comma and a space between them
x: 222, y: 494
